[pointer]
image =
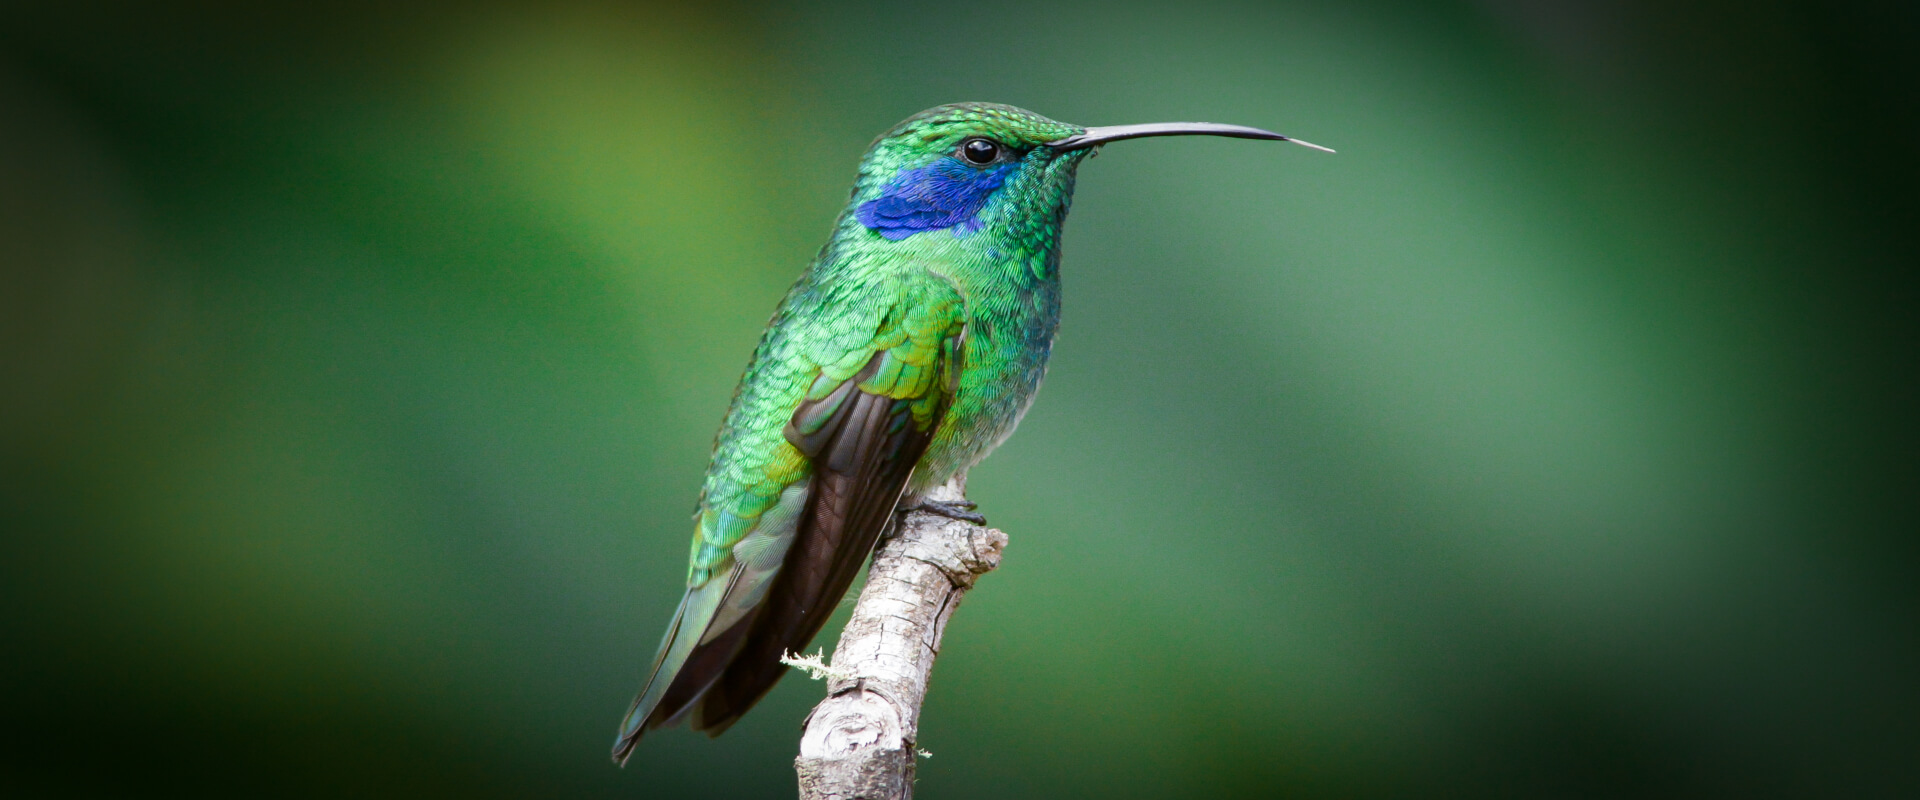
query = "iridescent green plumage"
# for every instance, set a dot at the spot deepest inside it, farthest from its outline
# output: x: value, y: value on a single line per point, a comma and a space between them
x: 908, y: 350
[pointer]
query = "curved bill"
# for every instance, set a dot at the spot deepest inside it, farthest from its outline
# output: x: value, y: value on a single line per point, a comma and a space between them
x: 1114, y: 133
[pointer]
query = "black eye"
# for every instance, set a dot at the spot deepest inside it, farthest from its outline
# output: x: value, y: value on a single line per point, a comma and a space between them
x: 980, y: 151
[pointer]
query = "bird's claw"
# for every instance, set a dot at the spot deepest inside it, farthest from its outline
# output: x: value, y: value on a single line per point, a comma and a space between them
x: 960, y: 510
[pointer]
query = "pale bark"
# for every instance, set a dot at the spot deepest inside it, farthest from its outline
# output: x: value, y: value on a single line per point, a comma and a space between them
x: 861, y: 742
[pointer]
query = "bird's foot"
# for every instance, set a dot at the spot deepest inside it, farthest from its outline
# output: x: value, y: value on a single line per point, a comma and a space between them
x: 962, y: 510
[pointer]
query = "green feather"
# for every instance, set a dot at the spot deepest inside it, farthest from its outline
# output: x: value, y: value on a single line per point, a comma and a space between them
x: 934, y: 305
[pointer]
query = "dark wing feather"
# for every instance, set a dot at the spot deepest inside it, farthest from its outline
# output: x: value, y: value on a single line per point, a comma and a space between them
x: 863, y: 455
x: 862, y: 434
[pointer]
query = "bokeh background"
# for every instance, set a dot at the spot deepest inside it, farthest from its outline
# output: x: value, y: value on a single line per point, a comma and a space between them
x: 1554, y: 439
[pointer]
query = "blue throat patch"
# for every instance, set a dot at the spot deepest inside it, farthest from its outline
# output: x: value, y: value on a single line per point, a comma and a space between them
x: 941, y: 195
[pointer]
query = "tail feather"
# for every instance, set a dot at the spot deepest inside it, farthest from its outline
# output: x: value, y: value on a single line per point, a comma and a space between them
x: 712, y: 622
x: 684, y: 669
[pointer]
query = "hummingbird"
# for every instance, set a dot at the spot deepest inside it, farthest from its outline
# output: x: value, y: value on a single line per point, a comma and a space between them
x: 908, y: 350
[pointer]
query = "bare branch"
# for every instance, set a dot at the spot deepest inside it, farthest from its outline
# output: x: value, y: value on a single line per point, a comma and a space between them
x: 859, y: 743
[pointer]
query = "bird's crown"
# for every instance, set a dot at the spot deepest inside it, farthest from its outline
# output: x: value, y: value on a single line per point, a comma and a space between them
x: 938, y: 169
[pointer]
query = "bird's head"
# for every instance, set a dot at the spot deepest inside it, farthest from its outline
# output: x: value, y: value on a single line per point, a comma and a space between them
x: 954, y: 170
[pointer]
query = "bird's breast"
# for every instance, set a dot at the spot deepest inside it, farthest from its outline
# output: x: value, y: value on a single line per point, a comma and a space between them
x: 1009, y: 337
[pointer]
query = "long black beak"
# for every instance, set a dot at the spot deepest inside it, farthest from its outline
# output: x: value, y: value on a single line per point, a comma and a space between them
x: 1114, y: 133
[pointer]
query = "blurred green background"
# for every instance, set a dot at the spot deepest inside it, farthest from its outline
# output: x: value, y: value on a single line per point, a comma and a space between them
x: 1554, y: 439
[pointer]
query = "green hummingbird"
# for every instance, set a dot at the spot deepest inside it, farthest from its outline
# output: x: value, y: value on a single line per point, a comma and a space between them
x: 907, y: 352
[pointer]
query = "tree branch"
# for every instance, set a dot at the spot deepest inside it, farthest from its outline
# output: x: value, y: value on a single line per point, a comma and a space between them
x: 859, y: 743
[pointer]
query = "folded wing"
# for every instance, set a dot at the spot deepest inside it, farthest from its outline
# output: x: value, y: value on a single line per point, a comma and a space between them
x: 862, y: 426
